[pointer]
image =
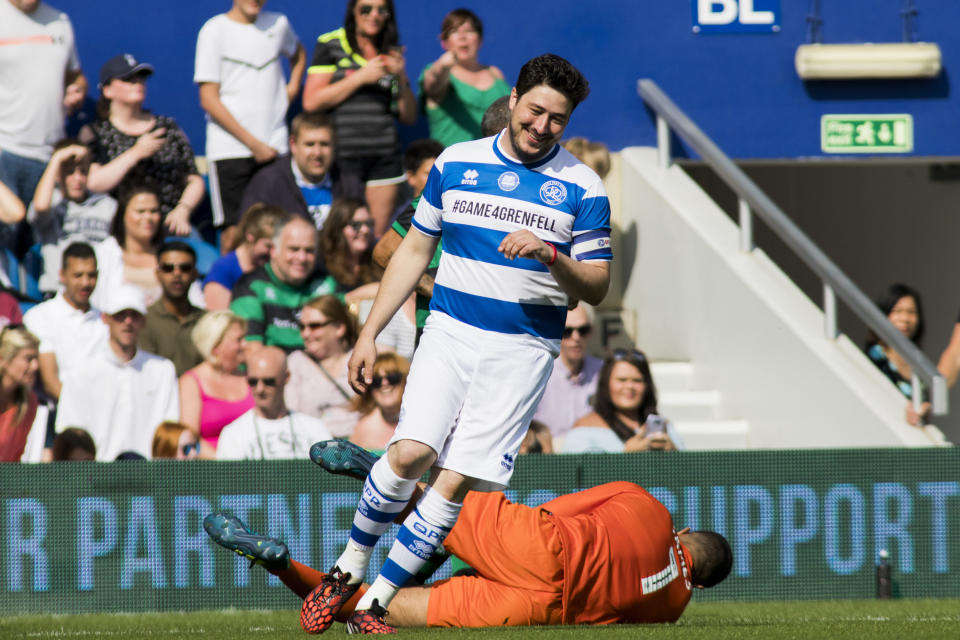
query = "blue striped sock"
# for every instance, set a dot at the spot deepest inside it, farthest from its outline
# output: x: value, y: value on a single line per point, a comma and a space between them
x: 385, y: 494
x: 422, y: 533
x: 415, y: 542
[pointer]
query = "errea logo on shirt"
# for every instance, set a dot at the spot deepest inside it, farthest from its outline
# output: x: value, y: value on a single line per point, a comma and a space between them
x: 470, y: 177
x: 269, y: 293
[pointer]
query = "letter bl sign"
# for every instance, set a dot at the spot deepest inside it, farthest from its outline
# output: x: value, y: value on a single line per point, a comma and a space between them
x: 736, y: 16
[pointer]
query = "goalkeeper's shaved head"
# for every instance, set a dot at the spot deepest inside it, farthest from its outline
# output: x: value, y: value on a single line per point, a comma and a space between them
x: 711, y: 555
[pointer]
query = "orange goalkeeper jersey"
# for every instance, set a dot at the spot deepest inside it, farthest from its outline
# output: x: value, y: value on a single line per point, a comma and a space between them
x: 623, y: 562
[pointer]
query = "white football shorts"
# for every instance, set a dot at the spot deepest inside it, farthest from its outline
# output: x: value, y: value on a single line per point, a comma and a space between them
x: 470, y: 396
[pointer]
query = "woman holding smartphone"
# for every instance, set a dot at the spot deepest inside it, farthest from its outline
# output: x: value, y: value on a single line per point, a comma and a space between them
x: 358, y: 74
x: 625, y: 411
x: 129, y: 143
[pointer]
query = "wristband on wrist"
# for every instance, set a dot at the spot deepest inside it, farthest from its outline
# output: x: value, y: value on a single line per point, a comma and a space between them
x: 554, y: 258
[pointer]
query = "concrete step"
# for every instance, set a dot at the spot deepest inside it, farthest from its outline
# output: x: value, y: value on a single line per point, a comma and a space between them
x: 672, y: 376
x: 699, y: 435
x: 688, y: 405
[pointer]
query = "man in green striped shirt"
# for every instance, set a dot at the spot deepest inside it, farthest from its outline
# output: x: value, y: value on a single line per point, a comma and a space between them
x: 270, y: 297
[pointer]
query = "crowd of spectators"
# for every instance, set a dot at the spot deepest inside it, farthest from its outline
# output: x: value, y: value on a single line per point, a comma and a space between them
x: 141, y: 351
x: 143, y: 354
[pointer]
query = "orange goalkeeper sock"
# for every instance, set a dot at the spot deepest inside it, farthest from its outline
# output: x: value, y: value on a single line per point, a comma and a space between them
x: 302, y: 579
x: 299, y: 578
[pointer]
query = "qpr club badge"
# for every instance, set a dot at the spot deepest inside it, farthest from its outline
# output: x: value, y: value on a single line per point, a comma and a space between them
x: 553, y: 192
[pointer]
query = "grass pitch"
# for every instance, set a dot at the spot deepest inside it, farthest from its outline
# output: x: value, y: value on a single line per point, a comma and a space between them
x: 900, y: 619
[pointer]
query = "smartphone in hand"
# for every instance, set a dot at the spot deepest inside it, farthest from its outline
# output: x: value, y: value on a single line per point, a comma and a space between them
x: 655, y: 424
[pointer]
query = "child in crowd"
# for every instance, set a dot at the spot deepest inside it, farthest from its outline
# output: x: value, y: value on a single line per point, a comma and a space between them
x: 418, y: 160
x: 74, y: 445
x: 242, y: 89
x: 65, y: 211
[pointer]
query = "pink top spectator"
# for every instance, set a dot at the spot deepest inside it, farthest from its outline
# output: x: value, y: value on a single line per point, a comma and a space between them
x: 216, y: 413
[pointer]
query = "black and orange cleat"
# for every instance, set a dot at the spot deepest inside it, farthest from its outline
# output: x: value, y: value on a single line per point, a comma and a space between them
x: 323, y: 603
x: 369, y: 621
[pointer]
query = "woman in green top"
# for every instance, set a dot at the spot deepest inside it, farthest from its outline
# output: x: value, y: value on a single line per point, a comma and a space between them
x: 457, y: 88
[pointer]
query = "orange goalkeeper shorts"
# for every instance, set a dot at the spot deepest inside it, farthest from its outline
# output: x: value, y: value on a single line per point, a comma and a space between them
x: 518, y: 557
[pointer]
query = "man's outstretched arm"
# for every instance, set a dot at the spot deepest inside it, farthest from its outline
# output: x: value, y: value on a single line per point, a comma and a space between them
x: 407, y: 264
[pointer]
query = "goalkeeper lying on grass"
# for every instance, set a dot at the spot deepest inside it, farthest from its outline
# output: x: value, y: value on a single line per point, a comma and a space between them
x: 605, y: 555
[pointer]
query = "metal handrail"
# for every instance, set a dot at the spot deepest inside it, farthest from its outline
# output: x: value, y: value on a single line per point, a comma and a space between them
x: 752, y: 199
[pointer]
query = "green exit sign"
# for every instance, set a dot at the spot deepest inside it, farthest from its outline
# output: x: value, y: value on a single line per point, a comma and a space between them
x: 883, y: 133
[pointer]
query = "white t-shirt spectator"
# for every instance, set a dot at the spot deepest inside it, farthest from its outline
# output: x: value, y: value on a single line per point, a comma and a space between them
x: 245, y: 60
x: 38, y: 49
x: 71, y: 335
x: 251, y: 437
x: 119, y: 403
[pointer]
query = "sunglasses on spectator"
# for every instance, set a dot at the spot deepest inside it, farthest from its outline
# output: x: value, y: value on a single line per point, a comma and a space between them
x: 267, y: 382
x: 126, y: 314
x: 392, y: 379
x: 313, y: 326
x: 189, y: 448
x: 138, y: 77
x: 583, y: 330
x: 357, y: 225
x: 628, y: 354
x: 182, y: 267
x: 367, y: 9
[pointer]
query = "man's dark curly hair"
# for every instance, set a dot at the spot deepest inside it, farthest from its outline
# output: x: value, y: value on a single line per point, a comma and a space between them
x: 557, y: 73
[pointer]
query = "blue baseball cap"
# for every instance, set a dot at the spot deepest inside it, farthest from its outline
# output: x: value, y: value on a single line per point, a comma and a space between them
x: 122, y: 66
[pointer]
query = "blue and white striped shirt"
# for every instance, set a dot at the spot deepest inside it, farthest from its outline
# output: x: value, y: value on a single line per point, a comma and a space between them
x: 474, y: 197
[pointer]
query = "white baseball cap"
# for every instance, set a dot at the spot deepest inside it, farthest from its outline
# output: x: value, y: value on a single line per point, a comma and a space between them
x: 125, y: 297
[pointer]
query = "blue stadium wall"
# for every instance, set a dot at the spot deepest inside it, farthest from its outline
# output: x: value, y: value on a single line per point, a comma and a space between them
x: 740, y: 86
